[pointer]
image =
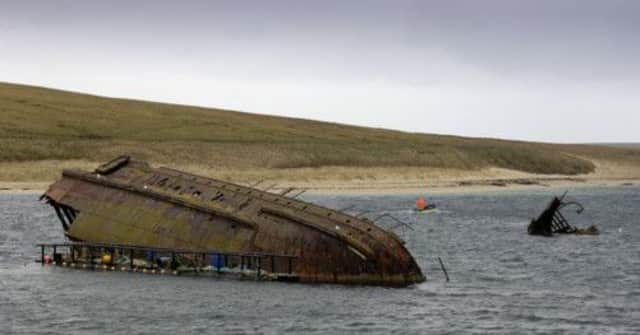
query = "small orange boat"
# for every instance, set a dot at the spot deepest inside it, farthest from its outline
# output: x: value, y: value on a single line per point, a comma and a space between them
x: 422, y: 206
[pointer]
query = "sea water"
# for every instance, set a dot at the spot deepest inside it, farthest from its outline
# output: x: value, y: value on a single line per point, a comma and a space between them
x: 501, y: 279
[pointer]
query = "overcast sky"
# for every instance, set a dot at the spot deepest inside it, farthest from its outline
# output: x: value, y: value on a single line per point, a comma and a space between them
x: 561, y: 71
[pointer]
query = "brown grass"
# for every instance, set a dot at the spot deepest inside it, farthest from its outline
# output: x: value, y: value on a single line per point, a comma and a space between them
x: 43, y: 130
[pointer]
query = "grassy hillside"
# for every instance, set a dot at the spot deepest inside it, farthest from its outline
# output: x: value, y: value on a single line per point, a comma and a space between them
x: 44, y: 124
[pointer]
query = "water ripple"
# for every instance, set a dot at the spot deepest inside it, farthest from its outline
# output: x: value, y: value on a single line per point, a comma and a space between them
x: 502, y: 280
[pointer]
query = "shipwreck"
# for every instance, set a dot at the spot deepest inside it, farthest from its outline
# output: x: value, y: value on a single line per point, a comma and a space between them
x: 129, y: 203
x: 551, y: 221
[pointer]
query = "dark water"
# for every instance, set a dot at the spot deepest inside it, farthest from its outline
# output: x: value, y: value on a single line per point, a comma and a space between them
x: 502, y: 280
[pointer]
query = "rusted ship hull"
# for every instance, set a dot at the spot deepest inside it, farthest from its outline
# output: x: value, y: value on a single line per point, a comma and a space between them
x: 129, y: 202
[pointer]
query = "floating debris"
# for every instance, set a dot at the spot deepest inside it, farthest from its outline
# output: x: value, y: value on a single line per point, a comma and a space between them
x: 551, y: 221
x: 127, y: 202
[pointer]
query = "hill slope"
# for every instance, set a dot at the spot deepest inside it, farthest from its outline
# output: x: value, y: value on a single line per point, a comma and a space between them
x: 43, y: 124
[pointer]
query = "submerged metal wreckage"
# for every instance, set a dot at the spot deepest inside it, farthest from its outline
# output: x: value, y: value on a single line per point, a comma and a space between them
x: 127, y: 202
x: 551, y: 221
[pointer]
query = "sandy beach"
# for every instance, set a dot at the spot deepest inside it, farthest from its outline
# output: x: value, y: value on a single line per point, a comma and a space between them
x: 382, y: 180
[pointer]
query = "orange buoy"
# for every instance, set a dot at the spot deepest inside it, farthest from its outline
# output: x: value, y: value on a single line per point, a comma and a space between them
x: 421, y: 204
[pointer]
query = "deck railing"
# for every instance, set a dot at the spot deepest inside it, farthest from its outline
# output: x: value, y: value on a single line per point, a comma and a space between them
x: 134, y: 258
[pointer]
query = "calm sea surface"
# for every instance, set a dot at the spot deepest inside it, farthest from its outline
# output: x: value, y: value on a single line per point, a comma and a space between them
x: 502, y: 280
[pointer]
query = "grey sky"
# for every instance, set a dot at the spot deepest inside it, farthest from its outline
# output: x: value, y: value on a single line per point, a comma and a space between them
x: 565, y: 71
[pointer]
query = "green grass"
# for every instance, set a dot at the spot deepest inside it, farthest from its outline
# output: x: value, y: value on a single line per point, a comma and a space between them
x: 45, y: 124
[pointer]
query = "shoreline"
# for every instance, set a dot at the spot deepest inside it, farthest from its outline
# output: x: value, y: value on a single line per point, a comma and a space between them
x: 360, y: 180
x: 23, y: 187
x: 364, y: 187
x: 473, y: 189
x: 462, y: 187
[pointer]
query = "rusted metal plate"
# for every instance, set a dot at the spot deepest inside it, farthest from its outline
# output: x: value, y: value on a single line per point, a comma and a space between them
x: 134, y: 203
